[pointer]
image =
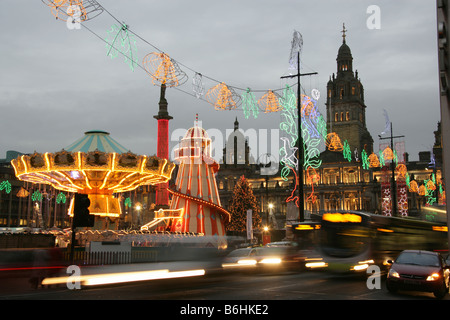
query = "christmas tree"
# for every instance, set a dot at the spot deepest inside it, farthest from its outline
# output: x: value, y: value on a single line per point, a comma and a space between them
x: 243, y: 200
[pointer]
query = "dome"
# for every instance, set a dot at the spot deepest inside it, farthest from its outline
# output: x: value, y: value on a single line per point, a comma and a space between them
x: 195, y: 144
x: 344, y: 51
x: 96, y: 140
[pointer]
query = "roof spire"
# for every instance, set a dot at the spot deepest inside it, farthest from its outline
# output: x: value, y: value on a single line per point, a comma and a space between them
x: 343, y: 32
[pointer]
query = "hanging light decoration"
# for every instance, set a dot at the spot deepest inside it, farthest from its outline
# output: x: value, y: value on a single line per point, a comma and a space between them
x: 413, y: 186
x: 388, y: 154
x: 374, y: 162
x: 333, y: 142
x: 119, y: 37
x: 222, y: 97
x: 163, y: 70
x: 197, y: 85
x: 269, y: 102
x: 401, y: 170
x: 249, y: 104
x: 74, y: 10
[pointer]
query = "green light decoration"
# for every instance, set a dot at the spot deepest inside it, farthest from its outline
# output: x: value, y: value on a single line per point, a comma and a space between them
x: 119, y: 40
x: 347, y: 152
x: 61, y: 197
x: 322, y: 127
x: 365, y: 160
x: 36, y: 196
x: 249, y: 104
x: 5, y: 185
x: 127, y: 202
x: 289, y: 126
x: 381, y: 158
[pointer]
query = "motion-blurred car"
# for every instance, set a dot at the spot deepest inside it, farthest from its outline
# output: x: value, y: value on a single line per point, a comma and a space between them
x: 271, y: 257
x: 417, y: 270
x: 240, y: 258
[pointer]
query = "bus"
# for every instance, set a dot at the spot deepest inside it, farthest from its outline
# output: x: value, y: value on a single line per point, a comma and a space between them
x: 351, y: 241
x: 305, y: 235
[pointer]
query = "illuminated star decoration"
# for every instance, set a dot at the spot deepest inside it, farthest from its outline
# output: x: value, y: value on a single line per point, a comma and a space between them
x: 119, y: 40
x: 197, y: 85
x: 249, y: 104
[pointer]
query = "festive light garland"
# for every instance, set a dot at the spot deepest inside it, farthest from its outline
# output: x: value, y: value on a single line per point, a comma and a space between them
x: 269, y: 102
x: 249, y: 104
x: 5, y: 185
x: 127, y: 44
x: 163, y: 70
x: 222, y: 97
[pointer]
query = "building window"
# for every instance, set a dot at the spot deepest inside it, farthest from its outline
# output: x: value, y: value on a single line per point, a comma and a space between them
x: 336, y: 117
x: 342, y: 116
x: 347, y: 116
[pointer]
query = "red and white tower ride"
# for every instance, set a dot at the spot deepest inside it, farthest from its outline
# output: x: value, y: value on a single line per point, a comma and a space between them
x: 196, y: 191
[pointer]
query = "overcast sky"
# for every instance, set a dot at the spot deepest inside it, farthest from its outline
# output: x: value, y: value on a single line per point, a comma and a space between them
x: 57, y: 83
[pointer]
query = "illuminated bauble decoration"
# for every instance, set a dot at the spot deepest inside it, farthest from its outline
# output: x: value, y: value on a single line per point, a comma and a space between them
x: 95, y: 165
x: 74, y: 10
x: 430, y: 185
x: 163, y: 70
x: 222, y: 97
x: 269, y: 102
x: 333, y: 142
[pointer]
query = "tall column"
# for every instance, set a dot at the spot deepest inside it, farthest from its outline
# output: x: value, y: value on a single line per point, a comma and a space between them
x: 162, y: 195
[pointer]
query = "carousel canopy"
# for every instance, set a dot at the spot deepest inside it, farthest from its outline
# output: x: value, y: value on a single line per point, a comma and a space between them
x: 96, y: 140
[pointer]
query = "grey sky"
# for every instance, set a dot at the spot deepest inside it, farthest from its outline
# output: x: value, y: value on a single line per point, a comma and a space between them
x: 57, y: 83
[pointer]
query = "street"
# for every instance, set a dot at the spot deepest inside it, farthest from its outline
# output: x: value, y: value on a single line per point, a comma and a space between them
x: 308, y: 285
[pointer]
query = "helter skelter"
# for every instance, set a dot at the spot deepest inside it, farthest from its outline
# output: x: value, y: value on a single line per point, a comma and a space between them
x: 95, y: 165
x: 195, y: 192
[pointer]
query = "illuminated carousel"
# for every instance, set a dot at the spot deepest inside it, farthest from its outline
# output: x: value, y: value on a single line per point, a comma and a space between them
x: 95, y: 165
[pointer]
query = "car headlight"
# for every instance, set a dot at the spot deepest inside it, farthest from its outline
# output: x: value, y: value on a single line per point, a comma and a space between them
x: 433, y: 277
x: 394, y: 274
x: 271, y: 261
x: 247, y: 262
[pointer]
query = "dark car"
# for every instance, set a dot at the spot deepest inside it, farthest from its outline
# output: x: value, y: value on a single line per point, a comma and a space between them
x: 418, y: 270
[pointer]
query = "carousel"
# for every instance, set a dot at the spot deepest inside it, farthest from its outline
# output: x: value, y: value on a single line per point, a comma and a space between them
x: 95, y: 165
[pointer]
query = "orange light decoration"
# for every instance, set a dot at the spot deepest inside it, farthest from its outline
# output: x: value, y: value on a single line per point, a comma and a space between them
x: 422, y: 190
x: 388, y: 154
x: 374, y: 162
x: 413, y: 186
x: 222, y: 97
x: 333, y: 142
x: 269, y: 102
x: 74, y: 10
x: 163, y: 70
x: 430, y: 185
x: 401, y: 170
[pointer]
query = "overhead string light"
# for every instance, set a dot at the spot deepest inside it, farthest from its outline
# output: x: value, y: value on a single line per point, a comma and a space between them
x: 197, y: 85
x: 163, y: 70
x: 120, y: 37
x: 74, y: 10
x: 269, y: 102
x: 222, y: 97
x: 249, y: 104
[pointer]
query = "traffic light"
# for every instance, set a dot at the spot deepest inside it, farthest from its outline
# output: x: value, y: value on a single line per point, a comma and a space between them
x: 81, y: 216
